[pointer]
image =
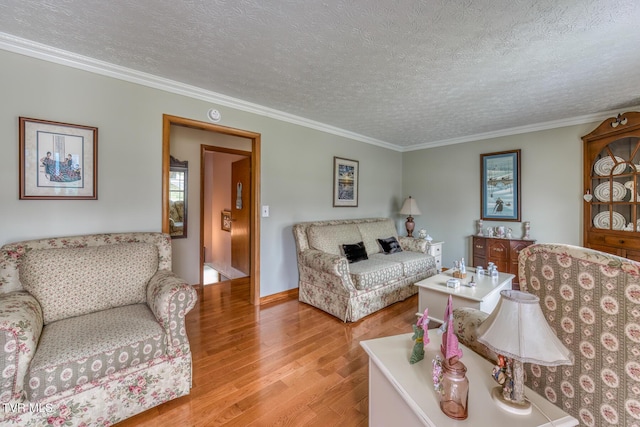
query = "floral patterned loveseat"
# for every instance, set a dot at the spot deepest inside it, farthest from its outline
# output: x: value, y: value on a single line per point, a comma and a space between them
x: 592, y: 301
x: 92, y: 329
x: 351, y: 291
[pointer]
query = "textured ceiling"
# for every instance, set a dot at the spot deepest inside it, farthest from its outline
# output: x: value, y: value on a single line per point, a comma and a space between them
x: 404, y: 72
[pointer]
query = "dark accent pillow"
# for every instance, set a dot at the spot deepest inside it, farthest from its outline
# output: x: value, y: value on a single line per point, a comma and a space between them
x: 390, y: 245
x: 355, y: 253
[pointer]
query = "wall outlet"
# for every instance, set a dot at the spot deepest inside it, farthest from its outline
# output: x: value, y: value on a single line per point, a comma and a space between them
x: 265, y: 211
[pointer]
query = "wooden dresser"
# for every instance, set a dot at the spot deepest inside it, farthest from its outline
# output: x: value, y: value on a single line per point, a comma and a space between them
x: 500, y: 251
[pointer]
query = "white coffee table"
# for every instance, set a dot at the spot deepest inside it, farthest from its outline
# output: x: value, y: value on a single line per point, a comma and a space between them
x: 433, y: 292
x: 402, y: 394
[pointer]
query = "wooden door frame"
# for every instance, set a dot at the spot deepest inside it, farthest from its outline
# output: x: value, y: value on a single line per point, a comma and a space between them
x: 254, y: 222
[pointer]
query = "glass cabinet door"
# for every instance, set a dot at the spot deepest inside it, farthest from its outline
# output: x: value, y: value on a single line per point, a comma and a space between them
x: 614, y: 184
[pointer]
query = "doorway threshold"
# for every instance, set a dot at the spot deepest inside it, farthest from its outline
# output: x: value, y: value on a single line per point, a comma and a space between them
x: 228, y: 272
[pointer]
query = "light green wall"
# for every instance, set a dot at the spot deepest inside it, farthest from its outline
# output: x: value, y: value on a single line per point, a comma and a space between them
x: 445, y: 181
x: 297, y: 168
x: 297, y: 162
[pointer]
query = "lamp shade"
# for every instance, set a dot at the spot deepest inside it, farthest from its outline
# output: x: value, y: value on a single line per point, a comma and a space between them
x: 410, y: 207
x: 517, y: 329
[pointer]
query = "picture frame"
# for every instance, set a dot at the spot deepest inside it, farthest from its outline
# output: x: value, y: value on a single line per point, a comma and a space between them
x: 500, y: 186
x: 225, y: 220
x: 57, y: 161
x: 345, y: 182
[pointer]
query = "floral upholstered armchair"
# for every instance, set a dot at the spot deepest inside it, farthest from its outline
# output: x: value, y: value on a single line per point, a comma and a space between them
x: 176, y: 217
x: 92, y: 329
x: 592, y: 301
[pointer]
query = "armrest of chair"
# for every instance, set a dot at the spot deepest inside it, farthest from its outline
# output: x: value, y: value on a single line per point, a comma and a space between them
x: 170, y: 299
x: 21, y: 324
x: 465, y: 323
x: 327, y: 263
x: 412, y: 244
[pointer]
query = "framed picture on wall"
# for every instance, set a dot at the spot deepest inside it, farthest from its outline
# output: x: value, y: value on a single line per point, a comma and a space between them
x: 57, y: 160
x: 500, y: 186
x: 225, y: 220
x: 345, y: 182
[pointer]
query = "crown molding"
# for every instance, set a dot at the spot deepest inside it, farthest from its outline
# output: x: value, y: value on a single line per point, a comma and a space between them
x: 572, y: 121
x: 44, y: 52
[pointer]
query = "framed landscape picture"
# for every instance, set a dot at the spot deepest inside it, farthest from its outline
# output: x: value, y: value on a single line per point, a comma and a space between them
x: 57, y: 160
x: 345, y: 182
x: 500, y: 186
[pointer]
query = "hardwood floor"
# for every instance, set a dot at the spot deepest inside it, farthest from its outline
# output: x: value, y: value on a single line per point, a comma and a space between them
x: 281, y: 364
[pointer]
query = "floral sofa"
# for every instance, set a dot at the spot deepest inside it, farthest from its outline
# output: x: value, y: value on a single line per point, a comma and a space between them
x: 92, y: 329
x: 592, y: 301
x: 350, y: 291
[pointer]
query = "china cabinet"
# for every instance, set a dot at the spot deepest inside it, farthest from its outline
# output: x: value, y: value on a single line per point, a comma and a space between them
x: 611, y: 193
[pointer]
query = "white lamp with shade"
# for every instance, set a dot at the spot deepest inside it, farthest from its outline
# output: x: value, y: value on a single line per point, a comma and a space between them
x: 410, y: 207
x: 518, y: 331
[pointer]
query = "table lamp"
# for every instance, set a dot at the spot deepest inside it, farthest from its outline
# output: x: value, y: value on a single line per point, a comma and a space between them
x: 518, y: 332
x: 410, y: 207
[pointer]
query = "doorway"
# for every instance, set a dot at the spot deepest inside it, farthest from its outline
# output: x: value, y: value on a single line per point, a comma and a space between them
x: 226, y: 213
x: 251, y: 199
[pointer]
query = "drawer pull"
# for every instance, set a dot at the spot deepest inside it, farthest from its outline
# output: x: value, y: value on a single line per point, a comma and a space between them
x: 498, y: 249
x: 479, y: 247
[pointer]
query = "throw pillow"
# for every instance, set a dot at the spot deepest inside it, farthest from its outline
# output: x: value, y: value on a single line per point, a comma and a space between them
x: 390, y: 245
x: 355, y: 253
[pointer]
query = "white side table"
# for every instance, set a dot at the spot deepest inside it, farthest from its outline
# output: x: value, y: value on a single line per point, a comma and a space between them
x: 433, y: 293
x: 401, y: 394
x: 435, y: 249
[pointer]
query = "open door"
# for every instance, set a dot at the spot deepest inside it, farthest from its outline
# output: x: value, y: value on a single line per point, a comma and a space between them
x: 241, y: 215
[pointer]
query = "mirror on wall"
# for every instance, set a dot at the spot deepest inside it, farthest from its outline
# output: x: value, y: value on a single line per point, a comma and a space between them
x: 178, y: 178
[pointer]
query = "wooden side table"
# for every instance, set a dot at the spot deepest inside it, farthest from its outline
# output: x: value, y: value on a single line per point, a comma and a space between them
x: 501, y: 251
x: 401, y: 394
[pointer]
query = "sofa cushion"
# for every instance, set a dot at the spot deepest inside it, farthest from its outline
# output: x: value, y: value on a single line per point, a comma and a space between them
x: 390, y: 245
x: 81, y: 349
x: 75, y: 281
x: 374, y: 272
x: 412, y: 262
x: 355, y: 252
x: 372, y: 231
x: 330, y: 238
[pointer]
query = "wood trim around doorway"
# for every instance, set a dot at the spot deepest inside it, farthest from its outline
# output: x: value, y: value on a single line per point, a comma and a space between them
x: 167, y: 122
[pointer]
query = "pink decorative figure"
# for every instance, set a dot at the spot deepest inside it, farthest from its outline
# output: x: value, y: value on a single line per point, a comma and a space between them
x: 423, y: 322
x: 450, y: 347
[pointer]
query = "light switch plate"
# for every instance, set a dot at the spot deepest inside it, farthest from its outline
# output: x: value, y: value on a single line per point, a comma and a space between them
x: 265, y: 211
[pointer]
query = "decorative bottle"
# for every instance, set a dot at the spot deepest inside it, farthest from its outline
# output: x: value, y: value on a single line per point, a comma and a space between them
x: 454, y: 398
x: 494, y: 272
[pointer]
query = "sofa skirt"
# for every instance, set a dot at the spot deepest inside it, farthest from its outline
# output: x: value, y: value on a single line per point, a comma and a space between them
x: 353, y: 306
